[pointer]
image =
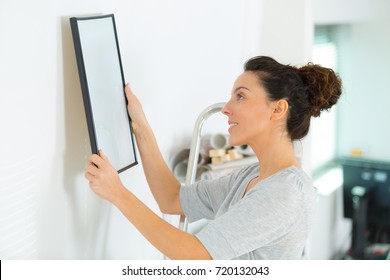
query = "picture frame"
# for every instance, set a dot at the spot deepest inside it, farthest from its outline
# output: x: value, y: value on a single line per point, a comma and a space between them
x: 102, y: 84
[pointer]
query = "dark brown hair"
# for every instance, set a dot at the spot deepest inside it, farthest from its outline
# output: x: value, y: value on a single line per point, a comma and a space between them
x: 308, y: 90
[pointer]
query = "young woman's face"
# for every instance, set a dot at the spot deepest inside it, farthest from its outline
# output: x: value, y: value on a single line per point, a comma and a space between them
x: 249, y: 111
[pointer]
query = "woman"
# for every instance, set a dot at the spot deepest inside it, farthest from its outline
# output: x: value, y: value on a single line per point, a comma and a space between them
x: 260, y: 212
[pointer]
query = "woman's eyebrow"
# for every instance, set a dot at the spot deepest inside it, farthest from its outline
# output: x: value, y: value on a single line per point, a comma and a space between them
x: 237, y: 89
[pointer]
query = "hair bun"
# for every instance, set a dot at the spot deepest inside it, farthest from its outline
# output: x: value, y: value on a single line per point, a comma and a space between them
x: 324, y: 87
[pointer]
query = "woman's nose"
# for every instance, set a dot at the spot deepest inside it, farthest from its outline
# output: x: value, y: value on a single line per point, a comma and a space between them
x: 226, y: 108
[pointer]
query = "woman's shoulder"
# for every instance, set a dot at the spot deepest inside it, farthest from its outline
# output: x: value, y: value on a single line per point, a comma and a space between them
x: 290, y: 179
x: 250, y: 169
x: 300, y: 177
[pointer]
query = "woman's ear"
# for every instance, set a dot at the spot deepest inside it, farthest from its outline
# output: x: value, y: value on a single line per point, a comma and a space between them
x: 280, y: 109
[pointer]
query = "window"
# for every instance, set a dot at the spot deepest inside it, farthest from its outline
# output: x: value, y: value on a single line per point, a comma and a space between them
x: 323, y: 129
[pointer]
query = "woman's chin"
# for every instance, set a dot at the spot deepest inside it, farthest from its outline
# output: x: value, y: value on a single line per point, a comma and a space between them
x: 233, y: 142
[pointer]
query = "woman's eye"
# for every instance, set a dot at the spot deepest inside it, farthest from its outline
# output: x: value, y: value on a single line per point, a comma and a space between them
x: 240, y: 96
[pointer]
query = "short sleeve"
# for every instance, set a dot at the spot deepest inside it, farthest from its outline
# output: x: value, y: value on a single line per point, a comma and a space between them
x: 203, y: 199
x: 253, y: 222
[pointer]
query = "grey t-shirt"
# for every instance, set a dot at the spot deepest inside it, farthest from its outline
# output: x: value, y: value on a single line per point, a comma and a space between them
x: 270, y: 222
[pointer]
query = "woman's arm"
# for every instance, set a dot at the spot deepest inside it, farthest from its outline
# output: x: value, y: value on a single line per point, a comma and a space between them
x: 163, y: 184
x: 172, y: 242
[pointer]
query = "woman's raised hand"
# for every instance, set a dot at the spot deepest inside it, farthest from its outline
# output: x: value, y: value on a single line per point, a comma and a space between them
x: 134, y: 108
x: 103, y: 178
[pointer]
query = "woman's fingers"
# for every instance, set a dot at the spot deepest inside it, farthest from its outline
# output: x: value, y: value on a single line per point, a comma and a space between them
x: 103, y: 177
x: 103, y: 156
x: 134, y: 108
x: 97, y: 160
x: 128, y: 90
x: 89, y: 176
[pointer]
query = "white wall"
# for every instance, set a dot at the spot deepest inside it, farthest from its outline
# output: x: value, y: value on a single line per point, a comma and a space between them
x: 287, y: 34
x: 341, y: 11
x: 180, y: 56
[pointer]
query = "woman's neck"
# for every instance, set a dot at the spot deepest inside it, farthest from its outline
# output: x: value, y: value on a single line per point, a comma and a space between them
x: 274, y: 156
